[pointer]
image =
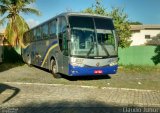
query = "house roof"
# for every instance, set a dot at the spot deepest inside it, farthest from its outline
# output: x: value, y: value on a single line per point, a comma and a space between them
x: 143, y: 27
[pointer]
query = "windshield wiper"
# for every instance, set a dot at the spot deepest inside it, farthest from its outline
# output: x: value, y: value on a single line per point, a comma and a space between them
x: 90, y: 50
x: 106, y: 51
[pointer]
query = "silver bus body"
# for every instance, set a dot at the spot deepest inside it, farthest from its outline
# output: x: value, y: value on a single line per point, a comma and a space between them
x: 76, y: 42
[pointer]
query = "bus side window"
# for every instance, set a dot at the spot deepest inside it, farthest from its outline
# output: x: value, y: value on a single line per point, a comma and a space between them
x: 38, y: 33
x: 62, y: 34
x: 45, y: 31
x: 53, y: 29
x: 34, y: 35
x: 31, y: 37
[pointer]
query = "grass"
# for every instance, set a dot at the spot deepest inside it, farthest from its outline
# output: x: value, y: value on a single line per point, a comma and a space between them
x: 140, y: 68
x: 135, y: 77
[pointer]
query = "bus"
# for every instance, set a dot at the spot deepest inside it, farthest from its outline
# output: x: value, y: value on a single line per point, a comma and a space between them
x: 73, y: 44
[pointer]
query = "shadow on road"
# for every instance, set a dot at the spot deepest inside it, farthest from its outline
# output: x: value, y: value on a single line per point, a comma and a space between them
x: 94, y: 77
x: 4, y: 87
x: 70, y: 107
x: 76, y: 78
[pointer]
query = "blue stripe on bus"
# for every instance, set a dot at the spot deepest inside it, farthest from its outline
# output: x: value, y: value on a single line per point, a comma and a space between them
x: 89, y: 71
x: 52, y: 44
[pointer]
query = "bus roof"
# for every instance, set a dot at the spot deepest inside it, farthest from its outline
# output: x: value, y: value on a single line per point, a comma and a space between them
x: 73, y: 14
x: 82, y: 14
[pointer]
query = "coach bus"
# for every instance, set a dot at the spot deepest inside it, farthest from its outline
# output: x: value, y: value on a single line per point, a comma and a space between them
x: 74, y: 44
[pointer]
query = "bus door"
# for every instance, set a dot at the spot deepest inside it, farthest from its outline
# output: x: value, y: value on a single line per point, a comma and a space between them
x: 63, y: 44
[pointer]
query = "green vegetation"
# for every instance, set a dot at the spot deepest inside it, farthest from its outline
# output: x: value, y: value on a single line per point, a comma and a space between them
x: 10, y: 10
x: 135, y: 23
x: 133, y: 68
x: 120, y: 21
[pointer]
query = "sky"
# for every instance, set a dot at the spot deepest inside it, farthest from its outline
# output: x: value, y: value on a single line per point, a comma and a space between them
x: 144, y: 11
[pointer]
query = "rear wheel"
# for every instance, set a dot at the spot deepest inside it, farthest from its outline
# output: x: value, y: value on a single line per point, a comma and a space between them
x: 54, y: 69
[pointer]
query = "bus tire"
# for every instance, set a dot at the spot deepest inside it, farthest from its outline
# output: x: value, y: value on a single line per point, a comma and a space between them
x: 54, y: 69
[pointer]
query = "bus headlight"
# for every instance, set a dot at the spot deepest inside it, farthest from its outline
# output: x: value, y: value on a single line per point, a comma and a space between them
x: 113, y: 64
x: 74, y: 72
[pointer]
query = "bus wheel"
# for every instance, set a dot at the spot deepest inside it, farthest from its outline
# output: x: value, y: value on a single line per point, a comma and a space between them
x: 54, y: 69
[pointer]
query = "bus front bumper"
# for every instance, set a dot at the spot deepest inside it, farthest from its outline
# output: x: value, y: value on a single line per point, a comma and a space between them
x: 89, y: 71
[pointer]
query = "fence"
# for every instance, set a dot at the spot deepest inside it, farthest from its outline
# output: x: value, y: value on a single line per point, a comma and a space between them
x: 140, y: 55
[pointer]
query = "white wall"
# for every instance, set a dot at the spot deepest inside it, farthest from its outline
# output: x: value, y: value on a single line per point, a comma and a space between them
x: 139, y: 37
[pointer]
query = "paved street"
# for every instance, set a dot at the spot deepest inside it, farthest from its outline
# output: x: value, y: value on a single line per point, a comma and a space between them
x: 26, y: 89
x: 33, y: 96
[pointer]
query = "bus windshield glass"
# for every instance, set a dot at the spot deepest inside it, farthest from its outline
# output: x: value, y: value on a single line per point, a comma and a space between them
x: 92, y: 37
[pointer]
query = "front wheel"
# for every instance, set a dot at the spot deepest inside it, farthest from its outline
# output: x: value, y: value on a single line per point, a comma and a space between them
x: 54, y: 69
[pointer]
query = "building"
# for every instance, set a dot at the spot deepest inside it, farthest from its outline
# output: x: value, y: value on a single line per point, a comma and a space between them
x: 143, y: 33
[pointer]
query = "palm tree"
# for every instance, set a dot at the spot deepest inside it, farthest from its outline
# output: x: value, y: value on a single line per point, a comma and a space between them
x: 10, y: 10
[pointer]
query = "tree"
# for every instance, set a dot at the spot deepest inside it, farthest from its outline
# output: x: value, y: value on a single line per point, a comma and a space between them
x: 10, y: 10
x: 96, y: 9
x: 122, y: 25
x: 120, y: 21
x: 135, y: 23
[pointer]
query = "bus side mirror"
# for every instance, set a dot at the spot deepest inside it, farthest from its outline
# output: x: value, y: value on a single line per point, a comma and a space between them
x: 117, y: 37
x: 68, y: 33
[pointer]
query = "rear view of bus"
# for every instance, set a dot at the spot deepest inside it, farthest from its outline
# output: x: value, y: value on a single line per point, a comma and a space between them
x: 93, y: 46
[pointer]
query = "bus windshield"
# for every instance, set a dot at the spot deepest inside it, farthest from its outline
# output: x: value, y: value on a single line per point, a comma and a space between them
x: 92, y: 37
